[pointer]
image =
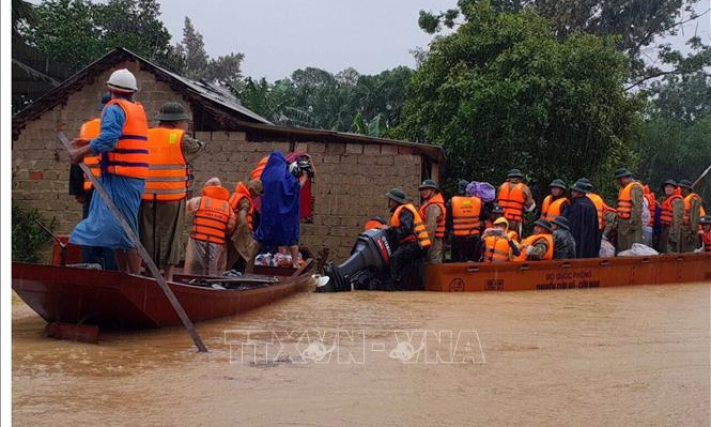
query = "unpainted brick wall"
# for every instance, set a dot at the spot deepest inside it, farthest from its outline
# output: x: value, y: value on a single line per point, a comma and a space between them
x: 349, y: 187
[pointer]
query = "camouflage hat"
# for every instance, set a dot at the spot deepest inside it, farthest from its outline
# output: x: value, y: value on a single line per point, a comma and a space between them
x: 172, y: 112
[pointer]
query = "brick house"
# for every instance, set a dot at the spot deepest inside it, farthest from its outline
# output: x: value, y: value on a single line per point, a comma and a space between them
x: 353, y: 171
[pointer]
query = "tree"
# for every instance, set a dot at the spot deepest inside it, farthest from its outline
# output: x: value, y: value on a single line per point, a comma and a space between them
x: 638, y: 24
x: 502, y: 91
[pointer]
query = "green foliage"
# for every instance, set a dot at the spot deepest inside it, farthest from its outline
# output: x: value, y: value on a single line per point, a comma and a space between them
x: 503, y: 91
x: 637, y: 24
x: 27, y: 236
x: 346, y: 101
x: 77, y: 32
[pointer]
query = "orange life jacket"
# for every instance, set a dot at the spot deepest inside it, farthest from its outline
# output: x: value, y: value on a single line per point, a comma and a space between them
x: 91, y: 130
x: 706, y: 239
x: 531, y: 241
x: 212, y: 216
x: 496, y: 249
x: 513, y: 235
x: 600, y: 207
x: 551, y: 209
x: 687, y: 208
x: 512, y: 200
x: 438, y: 200
x: 130, y: 156
x: 624, y: 200
x: 466, y: 213
x: 257, y: 172
x: 651, y: 203
x: 667, y: 215
x: 419, y: 231
x: 242, y: 192
x: 167, y: 178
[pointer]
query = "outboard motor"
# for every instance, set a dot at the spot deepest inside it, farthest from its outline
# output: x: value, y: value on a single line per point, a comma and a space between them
x: 371, y: 252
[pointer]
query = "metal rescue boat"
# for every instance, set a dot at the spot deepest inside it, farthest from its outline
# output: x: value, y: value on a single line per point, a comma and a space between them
x: 569, y: 274
x: 67, y: 295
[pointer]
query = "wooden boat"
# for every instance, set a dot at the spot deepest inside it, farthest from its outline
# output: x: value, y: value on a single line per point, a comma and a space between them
x: 569, y: 274
x: 66, y: 295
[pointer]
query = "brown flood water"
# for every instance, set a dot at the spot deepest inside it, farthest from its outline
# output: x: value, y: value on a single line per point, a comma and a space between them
x: 601, y: 357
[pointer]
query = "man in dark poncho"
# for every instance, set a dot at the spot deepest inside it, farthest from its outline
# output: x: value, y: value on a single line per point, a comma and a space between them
x: 584, y: 226
x: 279, y: 224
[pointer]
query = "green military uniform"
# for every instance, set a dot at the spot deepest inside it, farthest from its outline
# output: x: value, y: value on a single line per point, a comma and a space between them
x: 435, y: 251
x: 670, y: 235
x: 162, y: 224
x: 629, y: 231
x: 689, y: 235
x: 538, y: 250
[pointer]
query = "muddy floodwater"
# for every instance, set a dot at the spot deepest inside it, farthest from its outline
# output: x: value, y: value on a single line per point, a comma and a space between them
x: 637, y: 356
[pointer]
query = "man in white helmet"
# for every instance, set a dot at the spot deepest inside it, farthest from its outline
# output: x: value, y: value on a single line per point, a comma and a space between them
x: 122, y: 146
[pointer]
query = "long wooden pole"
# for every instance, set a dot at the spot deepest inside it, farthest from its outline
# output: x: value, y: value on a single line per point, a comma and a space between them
x: 698, y: 180
x: 141, y: 250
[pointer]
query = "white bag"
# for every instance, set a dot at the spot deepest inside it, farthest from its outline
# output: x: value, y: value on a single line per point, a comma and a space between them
x: 607, y: 250
x: 639, y: 249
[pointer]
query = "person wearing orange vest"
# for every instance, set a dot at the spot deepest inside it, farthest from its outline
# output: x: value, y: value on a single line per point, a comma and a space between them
x: 693, y: 211
x: 244, y: 248
x: 434, y: 216
x: 630, y: 203
x: 540, y: 245
x: 555, y: 204
x: 407, y: 232
x: 671, y: 217
x: 705, y: 233
x: 212, y: 224
x: 162, y: 215
x: 468, y: 215
x: 515, y: 198
x: 606, y: 215
x: 123, y: 147
x: 80, y: 187
x: 498, y: 244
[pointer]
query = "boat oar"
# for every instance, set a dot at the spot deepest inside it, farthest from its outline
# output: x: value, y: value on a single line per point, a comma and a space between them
x: 698, y: 180
x: 141, y: 250
x: 62, y: 246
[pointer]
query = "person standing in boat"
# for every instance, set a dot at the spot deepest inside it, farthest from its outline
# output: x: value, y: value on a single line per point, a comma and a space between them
x: 671, y: 217
x: 213, y: 221
x: 123, y: 147
x: 584, y: 223
x: 515, y: 197
x: 162, y: 213
x: 563, y: 241
x: 693, y: 211
x: 82, y: 189
x: 606, y: 215
x: 539, y: 246
x: 705, y: 233
x: 630, y: 204
x: 244, y: 248
x: 434, y: 215
x: 467, y: 214
x: 555, y: 204
x: 498, y: 244
x: 408, y: 232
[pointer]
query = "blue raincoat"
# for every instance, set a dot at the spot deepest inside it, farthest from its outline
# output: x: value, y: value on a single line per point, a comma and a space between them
x: 279, y: 224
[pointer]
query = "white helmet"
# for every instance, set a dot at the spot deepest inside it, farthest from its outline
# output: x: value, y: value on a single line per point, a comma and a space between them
x: 122, y: 81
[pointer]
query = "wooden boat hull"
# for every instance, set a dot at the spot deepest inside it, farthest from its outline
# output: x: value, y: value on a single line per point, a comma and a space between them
x: 117, y: 300
x: 568, y: 274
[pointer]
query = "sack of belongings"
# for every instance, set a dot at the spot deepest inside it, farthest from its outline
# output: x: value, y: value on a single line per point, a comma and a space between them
x: 607, y: 249
x: 483, y: 190
x: 639, y: 249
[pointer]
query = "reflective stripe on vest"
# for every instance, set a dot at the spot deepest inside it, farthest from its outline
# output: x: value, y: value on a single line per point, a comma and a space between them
x: 496, y: 249
x: 441, y: 219
x: 466, y: 213
x: 531, y: 241
x: 212, y: 216
x: 624, y: 200
x: 91, y: 130
x: 688, y: 205
x: 511, y: 200
x: 242, y: 192
x: 667, y: 215
x: 130, y: 156
x: 551, y: 208
x: 167, y: 178
x: 420, y: 232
